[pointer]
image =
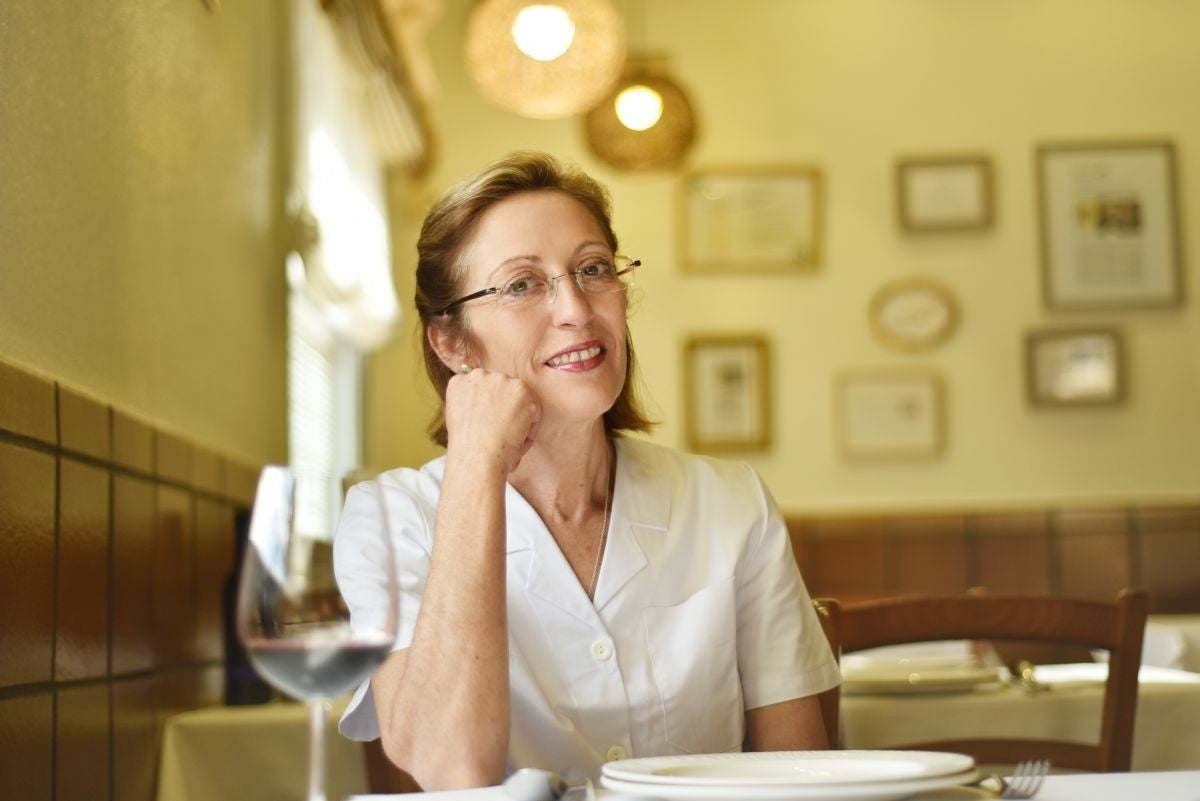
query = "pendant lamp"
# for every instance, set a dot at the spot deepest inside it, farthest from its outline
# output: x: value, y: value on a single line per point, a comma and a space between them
x: 645, y: 122
x: 545, y: 59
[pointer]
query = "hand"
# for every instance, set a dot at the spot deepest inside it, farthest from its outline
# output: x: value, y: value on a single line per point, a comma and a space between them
x: 491, y: 414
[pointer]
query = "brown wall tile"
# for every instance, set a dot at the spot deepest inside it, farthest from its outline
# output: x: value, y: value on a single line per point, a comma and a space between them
x: 1168, y: 552
x: 214, y: 562
x: 1093, y: 553
x: 81, y: 744
x: 85, y: 424
x: 847, y: 568
x: 208, y: 471
x: 27, y: 404
x: 173, y: 457
x: 928, y: 564
x: 26, y: 747
x: 174, y: 604
x: 132, y: 574
x: 27, y: 567
x: 82, y: 571
x: 1011, y: 554
x: 135, y: 739
x: 132, y: 442
x: 241, y: 480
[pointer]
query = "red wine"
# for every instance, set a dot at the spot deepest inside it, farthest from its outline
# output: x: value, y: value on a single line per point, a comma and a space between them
x: 315, y: 669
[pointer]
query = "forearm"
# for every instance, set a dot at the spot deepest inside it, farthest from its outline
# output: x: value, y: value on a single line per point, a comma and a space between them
x: 447, y: 718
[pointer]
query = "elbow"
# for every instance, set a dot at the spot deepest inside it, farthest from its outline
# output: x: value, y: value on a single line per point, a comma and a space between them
x: 446, y: 768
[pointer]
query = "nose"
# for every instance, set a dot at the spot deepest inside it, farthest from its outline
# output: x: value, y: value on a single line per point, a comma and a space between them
x: 575, y: 305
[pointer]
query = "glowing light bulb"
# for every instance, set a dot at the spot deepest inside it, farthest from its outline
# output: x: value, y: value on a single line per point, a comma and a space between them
x: 639, y: 107
x: 543, y: 32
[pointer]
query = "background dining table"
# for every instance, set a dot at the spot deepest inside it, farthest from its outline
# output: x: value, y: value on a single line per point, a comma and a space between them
x: 261, y: 752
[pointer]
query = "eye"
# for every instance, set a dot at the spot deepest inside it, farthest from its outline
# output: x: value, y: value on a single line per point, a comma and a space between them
x: 521, y: 285
x: 597, y: 269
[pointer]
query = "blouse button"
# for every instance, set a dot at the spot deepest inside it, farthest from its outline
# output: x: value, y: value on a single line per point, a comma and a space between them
x: 602, y: 650
x: 615, y: 753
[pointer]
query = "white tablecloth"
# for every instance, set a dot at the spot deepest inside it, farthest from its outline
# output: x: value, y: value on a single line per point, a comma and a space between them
x: 1172, y: 641
x: 1166, y: 732
x: 259, y: 753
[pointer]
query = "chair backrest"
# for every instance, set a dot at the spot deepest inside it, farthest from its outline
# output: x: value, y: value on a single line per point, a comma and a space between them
x: 1116, y: 627
x: 829, y: 613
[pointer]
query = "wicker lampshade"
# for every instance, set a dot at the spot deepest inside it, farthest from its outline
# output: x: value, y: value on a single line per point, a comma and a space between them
x: 665, y: 143
x: 569, y: 84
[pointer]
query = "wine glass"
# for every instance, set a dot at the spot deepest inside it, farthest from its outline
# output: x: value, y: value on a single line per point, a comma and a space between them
x: 292, y: 619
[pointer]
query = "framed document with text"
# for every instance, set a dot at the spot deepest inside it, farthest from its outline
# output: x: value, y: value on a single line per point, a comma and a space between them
x: 1109, y: 225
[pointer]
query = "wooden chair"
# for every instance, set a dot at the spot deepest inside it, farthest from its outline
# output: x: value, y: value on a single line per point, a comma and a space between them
x: 1116, y: 627
x: 829, y: 613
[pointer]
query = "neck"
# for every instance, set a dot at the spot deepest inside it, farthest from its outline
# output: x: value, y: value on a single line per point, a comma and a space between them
x: 565, y: 477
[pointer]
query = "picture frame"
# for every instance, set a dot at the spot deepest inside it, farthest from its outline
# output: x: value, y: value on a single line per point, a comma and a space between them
x: 913, y: 314
x: 1109, y: 225
x: 886, y: 415
x: 751, y: 219
x: 727, y: 386
x: 936, y: 194
x: 1074, y: 367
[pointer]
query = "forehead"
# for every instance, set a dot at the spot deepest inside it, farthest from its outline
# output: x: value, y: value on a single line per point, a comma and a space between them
x: 545, y: 224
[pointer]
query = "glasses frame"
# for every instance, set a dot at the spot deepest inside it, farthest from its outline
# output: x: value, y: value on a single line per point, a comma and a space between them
x: 553, y: 281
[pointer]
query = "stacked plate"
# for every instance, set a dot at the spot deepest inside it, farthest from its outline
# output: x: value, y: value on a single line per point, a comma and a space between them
x: 790, y: 775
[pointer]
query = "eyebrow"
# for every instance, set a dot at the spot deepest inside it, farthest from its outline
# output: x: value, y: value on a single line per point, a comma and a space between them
x: 538, y: 259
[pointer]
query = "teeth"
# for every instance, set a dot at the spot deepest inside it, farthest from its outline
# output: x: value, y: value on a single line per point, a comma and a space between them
x: 575, y: 356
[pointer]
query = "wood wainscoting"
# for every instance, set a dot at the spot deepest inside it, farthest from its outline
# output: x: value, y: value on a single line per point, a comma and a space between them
x: 1086, y: 553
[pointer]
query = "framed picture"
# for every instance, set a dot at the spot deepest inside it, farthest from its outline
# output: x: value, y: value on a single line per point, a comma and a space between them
x: 912, y: 314
x: 751, y: 220
x: 1074, y: 367
x: 727, y: 385
x: 1109, y: 225
x: 888, y: 415
x: 944, y: 193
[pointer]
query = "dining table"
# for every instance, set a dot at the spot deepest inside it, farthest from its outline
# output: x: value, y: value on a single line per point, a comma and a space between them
x: 1064, y: 704
x: 260, y: 752
x: 1181, y: 785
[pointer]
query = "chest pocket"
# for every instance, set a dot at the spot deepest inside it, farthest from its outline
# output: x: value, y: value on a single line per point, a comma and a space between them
x: 693, y: 655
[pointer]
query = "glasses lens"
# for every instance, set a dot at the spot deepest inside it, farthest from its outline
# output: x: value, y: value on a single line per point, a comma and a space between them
x: 522, y: 290
x: 605, y: 276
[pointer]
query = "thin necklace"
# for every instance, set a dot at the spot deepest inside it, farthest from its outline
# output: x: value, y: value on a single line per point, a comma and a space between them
x: 608, y: 479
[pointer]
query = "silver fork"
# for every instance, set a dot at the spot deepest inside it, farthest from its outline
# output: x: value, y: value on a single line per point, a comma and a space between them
x: 1026, y: 779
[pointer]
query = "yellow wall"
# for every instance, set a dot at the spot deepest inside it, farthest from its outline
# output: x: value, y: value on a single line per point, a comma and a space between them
x: 848, y: 85
x: 140, y: 153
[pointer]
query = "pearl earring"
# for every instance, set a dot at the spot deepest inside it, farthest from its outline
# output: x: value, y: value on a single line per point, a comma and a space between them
x: 464, y: 368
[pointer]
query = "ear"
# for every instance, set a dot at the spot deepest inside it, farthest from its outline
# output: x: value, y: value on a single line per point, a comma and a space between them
x: 447, y: 347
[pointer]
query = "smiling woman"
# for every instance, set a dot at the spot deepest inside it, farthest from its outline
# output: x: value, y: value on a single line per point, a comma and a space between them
x: 599, y: 597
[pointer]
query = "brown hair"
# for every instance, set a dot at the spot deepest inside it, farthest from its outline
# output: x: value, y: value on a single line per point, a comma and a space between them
x: 448, y: 228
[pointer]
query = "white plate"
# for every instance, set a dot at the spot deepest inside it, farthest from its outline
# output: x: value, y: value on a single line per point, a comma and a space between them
x: 790, y: 769
x: 923, y: 678
x: 846, y: 791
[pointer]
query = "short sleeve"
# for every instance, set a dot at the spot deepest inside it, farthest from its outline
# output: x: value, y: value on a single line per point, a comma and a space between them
x: 359, y: 561
x: 782, y: 650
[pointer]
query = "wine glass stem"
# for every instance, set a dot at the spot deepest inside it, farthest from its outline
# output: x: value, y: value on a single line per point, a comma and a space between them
x: 316, y: 751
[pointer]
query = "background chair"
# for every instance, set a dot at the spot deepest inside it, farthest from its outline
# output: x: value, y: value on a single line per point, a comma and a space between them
x: 829, y: 613
x: 1116, y: 627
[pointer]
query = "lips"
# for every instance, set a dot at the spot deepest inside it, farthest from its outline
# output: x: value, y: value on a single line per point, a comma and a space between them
x: 575, y: 356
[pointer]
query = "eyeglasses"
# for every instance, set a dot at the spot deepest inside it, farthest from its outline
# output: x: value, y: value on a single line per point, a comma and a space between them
x: 597, y: 277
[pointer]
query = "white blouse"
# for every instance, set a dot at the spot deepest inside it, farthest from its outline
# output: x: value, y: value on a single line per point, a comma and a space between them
x: 699, y: 611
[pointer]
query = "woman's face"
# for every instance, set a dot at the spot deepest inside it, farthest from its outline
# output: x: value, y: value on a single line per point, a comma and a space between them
x: 569, y: 351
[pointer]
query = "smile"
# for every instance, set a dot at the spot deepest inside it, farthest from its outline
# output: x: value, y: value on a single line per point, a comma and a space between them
x: 575, y: 356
